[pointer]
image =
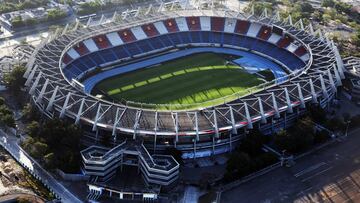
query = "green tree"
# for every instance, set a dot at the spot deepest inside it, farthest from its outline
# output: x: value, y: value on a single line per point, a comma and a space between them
x: 33, y: 128
x: 239, y: 164
x: 8, y: 120
x: 15, y: 80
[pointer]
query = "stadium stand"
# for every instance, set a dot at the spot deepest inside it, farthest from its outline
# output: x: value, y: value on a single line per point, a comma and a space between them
x: 300, y: 51
x: 254, y: 29
x: 126, y: 36
x: 285, y: 56
x: 150, y: 30
x: 138, y: 33
x: 81, y: 49
x: 274, y: 38
x: 193, y: 23
x: 285, y: 41
x: 242, y: 27
x: 90, y: 45
x: 160, y: 27
x: 264, y: 33
x: 114, y: 39
x: 217, y: 24
x: 66, y: 58
x: 101, y: 42
x: 230, y: 24
x: 73, y: 54
x: 171, y: 25
x: 181, y: 23
x: 205, y: 23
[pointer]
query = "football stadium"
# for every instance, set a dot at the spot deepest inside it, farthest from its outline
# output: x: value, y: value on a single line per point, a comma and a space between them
x: 191, y: 79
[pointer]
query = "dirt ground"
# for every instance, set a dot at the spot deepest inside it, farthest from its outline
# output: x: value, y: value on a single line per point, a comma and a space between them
x: 17, y: 183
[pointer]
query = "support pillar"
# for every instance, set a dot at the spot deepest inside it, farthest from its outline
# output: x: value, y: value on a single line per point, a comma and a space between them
x: 312, y: 89
x: 331, y: 79
x: 77, y: 120
x: 262, y: 113
x: 275, y: 106
x: 248, y: 117
x: 34, y: 85
x: 288, y: 101
x: 323, y: 87
x: 63, y: 110
x: 52, y: 99
x: 233, y: 130
x: 301, y: 97
x: 42, y: 92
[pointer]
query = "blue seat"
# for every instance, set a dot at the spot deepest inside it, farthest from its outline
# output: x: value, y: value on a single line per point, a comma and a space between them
x: 156, y: 43
x: 174, y: 38
x: 132, y: 49
x: 120, y: 52
x: 166, y: 41
x: 195, y: 37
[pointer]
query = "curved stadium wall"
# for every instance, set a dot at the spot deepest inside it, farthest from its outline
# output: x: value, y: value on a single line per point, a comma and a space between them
x: 313, y: 64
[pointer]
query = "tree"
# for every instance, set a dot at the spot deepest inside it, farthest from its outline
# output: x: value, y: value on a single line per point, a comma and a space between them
x: 33, y: 128
x: 56, y: 14
x: 39, y: 150
x: 15, y: 80
x: 253, y: 143
x: 2, y: 101
x: 328, y: 3
x: 8, y: 120
x: 238, y: 165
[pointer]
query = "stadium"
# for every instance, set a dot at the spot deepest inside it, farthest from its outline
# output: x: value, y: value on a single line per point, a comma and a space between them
x: 184, y: 78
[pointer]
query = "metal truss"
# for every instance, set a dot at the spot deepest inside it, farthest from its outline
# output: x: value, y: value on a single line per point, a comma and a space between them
x: 57, y: 97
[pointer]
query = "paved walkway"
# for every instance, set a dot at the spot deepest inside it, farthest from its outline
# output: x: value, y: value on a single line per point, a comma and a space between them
x: 10, y: 144
x: 329, y: 175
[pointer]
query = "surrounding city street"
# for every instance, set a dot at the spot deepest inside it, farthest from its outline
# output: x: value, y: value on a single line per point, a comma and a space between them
x: 329, y: 175
x: 10, y: 144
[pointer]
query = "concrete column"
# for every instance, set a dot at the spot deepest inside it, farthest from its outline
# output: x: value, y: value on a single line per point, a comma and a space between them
x: 312, y: 89
x: 262, y: 113
x: 323, y: 87
x: 34, y: 85
x: 301, y: 97
x: 248, y: 117
x: 63, y: 110
x: 43, y: 89
x: 288, y: 101
x: 275, y: 106
x: 52, y: 99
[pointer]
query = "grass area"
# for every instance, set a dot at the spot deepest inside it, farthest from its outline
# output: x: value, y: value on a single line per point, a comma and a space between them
x: 195, y: 81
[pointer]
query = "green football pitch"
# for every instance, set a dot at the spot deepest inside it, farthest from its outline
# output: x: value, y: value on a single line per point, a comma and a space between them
x: 195, y: 81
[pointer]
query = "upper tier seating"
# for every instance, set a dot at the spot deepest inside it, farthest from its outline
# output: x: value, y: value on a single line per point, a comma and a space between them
x: 171, y: 25
x: 264, y: 33
x: 126, y: 36
x: 285, y: 41
x: 217, y: 24
x: 102, y: 42
x: 182, y: 24
x: 66, y: 58
x: 193, y: 23
x: 253, y: 29
x: 114, y: 39
x: 81, y: 49
x: 242, y: 27
x: 150, y: 30
x: 300, y: 51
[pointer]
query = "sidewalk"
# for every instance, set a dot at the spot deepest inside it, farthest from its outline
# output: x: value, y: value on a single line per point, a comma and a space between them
x: 10, y: 144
